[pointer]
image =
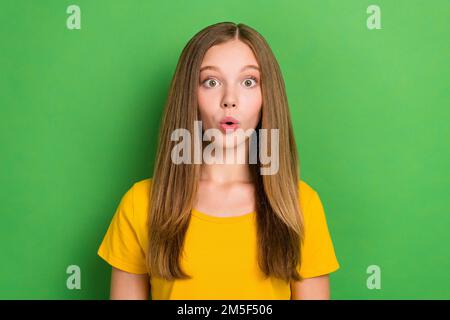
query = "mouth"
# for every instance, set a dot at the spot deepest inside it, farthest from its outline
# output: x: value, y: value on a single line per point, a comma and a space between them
x: 229, y: 124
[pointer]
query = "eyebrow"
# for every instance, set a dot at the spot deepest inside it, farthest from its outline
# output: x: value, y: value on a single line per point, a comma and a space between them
x: 248, y: 66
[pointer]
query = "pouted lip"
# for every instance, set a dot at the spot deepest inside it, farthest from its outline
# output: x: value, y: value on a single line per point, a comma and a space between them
x: 229, y: 120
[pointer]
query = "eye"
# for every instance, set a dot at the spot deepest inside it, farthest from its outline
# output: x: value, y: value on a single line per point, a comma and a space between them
x: 212, y: 82
x: 248, y: 82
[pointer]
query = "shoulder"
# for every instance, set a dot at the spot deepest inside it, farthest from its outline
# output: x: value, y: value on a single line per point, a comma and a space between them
x: 140, y: 193
x: 142, y: 188
x: 306, y: 192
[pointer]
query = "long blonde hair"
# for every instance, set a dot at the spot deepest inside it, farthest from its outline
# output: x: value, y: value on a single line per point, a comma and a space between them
x: 174, y: 188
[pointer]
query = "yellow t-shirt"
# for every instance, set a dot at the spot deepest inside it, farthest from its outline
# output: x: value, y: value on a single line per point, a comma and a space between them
x: 220, y: 253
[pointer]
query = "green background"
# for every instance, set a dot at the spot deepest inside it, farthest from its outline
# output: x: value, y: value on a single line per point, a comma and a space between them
x: 80, y: 111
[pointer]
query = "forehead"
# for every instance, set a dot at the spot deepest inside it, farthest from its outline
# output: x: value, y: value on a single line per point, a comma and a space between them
x: 231, y: 56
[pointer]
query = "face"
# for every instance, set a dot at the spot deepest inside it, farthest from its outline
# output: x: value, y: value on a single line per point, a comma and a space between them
x: 229, y: 85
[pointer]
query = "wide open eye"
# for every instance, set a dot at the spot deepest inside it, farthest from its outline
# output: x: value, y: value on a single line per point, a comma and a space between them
x: 211, y: 83
x: 248, y: 82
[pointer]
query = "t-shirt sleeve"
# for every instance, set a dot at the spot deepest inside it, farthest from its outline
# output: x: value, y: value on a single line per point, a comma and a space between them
x: 318, y: 256
x: 121, y: 247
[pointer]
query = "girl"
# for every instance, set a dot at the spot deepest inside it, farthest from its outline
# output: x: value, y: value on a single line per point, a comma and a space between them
x: 222, y: 230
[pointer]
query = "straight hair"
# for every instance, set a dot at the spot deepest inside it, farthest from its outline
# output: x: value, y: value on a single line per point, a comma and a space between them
x: 279, y: 220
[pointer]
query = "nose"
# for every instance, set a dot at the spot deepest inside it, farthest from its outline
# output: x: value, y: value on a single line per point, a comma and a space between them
x: 229, y: 99
x: 228, y: 104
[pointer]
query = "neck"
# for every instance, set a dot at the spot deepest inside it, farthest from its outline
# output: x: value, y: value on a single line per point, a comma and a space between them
x: 231, y: 170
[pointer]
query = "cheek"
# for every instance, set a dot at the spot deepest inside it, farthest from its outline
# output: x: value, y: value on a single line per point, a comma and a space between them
x: 252, y: 99
x: 201, y: 98
x: 253, y: 107
x: 206, y: 102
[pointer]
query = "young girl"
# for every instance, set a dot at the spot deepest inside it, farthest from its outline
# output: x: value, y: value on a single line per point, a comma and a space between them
x: 222, y: 230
